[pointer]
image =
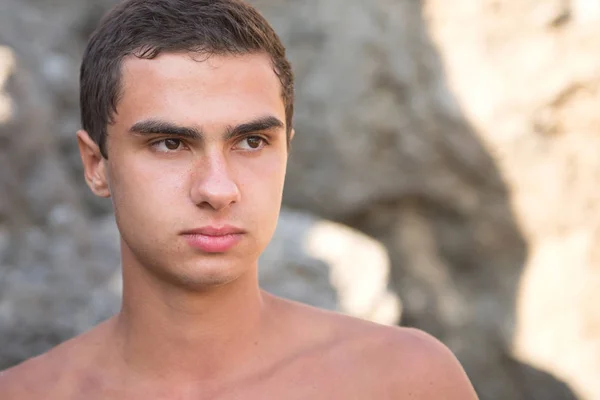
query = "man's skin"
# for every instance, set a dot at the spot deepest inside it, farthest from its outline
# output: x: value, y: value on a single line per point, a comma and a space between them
x: 194, y: 324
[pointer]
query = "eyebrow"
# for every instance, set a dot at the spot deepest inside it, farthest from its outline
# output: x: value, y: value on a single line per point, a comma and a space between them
x: 257, y: 125
x: 156, y: 126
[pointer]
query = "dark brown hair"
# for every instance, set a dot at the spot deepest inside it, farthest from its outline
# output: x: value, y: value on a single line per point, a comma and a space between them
x: 146, y: 28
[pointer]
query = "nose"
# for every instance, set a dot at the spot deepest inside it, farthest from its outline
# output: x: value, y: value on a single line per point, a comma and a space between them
x: 213, y: 184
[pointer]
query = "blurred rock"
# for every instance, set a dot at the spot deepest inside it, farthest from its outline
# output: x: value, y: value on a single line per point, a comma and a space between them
x: 533, y: 92
x: 7, y: 64
x: 51, y: 292
x: 330, y: 266
x: 371, y: 106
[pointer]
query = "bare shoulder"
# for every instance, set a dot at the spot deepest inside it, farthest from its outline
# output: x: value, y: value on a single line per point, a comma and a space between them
x: 12, y: 382
x: 28, y: 379
x: 406, y: 363
x: 419, y: 366
x: 48, y: 375
x: 389, y: 361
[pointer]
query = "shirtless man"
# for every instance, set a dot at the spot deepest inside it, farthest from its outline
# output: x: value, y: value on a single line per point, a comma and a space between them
x: 187, y: 118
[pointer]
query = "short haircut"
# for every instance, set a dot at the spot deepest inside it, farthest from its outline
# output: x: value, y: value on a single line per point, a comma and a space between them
x: 147, y: 28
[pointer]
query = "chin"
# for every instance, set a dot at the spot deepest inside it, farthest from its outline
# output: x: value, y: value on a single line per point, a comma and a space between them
x: 208, y: 273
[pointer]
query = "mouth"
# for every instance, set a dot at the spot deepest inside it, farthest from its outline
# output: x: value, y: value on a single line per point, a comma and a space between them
x: 211, y: 239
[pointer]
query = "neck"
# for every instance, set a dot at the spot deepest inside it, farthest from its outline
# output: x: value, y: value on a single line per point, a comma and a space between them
x: 181, y: 335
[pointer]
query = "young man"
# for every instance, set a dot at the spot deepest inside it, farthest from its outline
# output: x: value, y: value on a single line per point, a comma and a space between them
x: 187, y: 117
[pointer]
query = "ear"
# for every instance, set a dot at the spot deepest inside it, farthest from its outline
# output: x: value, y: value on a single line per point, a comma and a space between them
x: 94, y: 166
x: 289, y: 141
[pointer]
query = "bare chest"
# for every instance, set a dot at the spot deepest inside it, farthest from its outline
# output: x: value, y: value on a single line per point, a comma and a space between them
x: 298, y: 382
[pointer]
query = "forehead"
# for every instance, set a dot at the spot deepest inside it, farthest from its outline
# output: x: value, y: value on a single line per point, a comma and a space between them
x: 193, y: 89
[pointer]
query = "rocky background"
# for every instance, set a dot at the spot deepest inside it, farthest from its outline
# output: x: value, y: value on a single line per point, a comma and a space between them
x: 443, y: 176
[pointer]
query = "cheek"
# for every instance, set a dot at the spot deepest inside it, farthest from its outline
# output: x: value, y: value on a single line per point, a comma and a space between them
x: 263, y: 178
x: 147, y: 189
x: 261, y: 186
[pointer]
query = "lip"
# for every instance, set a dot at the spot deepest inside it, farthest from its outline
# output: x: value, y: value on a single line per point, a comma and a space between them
x: 212, y: 239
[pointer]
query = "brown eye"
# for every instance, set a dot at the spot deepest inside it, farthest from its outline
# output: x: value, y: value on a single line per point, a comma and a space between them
x: 172, y: 144
x: 254, y: 142
x: 251, y: 143
x: 168, y: 145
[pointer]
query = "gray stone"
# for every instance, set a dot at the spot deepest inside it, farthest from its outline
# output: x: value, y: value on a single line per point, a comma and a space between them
x: 331, y: 266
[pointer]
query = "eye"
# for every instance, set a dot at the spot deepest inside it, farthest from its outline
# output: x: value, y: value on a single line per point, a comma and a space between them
x: 167, y: 145
x: 252, y: 143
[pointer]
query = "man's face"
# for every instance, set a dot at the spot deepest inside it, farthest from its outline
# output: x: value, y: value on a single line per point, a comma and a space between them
x: 197, y: 145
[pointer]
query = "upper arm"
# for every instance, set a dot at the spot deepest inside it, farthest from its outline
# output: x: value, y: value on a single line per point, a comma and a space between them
x: 429, y: 370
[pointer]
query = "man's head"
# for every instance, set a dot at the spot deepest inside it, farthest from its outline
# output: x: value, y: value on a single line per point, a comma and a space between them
x: 147, y: 28
x: 187, y: 108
